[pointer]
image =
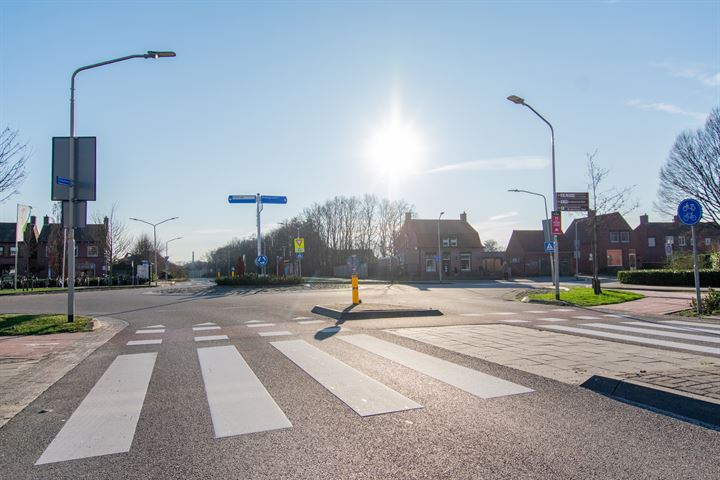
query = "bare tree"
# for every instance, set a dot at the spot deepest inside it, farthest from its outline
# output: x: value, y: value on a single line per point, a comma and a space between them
x: 116, y: 241
x: 603, y: 201
x: 692, y: 169
x: 492, y: 245
x: 13, y: 157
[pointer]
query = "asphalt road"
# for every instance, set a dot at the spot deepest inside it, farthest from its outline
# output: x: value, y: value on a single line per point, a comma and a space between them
x: 554, y: 431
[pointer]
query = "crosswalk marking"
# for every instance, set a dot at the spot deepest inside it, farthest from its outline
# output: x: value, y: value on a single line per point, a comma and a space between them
x: 204, y: 324
x: 155, y: 326
x: 199, y: 329
x: 361, y: 393
x: 471, y: 314
x: 467, y: 379
x: 612, y: 315
x: 154, y: 330
x: 105, y: 421
x: 278, y: 333
x: 515, y: 321
x: 586, y: 317
x: 632, y: 338
x: 693, y: 324
x: 144, y: 342
x: 553, y: 319
x: 562, y: 310
x: 310, y: 322
x: 238, y: 402
x: 503, y: 313
x: 657, y: 333
x: 209, y: 338
x: 683, y: 328
x: 301, y: 318
x: 255, y: 325
x: 534, y: 311
x: 254, y: 321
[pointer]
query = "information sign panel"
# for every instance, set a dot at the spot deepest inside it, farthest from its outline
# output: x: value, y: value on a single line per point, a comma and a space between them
x: 85, y: 168
x: 573, y: 201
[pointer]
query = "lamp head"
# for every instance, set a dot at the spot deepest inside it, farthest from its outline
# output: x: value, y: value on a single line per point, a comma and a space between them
x: 156, y: 54
x: 516, y: 99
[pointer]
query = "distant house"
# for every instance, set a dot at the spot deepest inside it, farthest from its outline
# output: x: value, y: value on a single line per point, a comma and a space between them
x: 462, y: 252
x: 28, y: 248
x: 90, y: 259
x: 527, y: 257
x: 614, y: 243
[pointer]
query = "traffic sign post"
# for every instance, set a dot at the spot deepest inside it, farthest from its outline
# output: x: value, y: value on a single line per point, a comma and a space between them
x: 549, y: 247
x: 690, y: 213
x: 573, y: 201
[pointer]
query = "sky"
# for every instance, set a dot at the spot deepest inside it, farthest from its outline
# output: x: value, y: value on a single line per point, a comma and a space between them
x: 310, y: 100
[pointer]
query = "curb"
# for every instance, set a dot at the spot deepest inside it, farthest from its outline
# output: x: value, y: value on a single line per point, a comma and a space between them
x: 77, y: 290
x: 370, y: 314
x: 685, y: 406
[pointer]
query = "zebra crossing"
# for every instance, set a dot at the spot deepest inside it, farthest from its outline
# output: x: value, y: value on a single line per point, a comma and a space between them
x: 238, y: 402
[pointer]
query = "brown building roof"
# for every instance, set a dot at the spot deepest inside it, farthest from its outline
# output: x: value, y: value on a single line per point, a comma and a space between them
x: 426, y: 232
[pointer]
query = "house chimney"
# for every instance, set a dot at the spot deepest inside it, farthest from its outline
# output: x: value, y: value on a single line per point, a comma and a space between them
x: 676, y: 219
x: 46, y: 220
x: 644, y: 219
x: 408, y: 216
x: 463, y: 217
x: 105, y: 221
x: 33, y: 219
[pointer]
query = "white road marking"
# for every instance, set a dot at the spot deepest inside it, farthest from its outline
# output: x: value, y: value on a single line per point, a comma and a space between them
x: 209, y: 338
x: 254, y: 321
x: 301, y: 318
x: 200, y: 329
x: 204, y: 324
x: 686, y: 329
x: 255, y: 325
x: 238, y: 402
x: 563, y: 310
x: 503, y: 313
x: 632, y: 338
x: 467, y: 379
x: 471, y: 314
x: 363, y: 394
x: 278, y: 333
x: 310, y: 322
x: 657, y: 333
x: 106, y: 419
x: 693, y: 324
x: 553, y: 319
x: 155, y: 326
x: 612, y: 315
x: 586, y: 317
x: 515, y: 321
x: 535, y: 311
x: 144, y: 342
x: 154, y: 330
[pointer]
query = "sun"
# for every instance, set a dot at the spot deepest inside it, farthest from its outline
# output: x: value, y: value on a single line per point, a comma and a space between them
x: 395, y: 148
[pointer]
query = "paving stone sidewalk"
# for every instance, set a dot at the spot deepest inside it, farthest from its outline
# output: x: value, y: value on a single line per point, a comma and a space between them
x: 573, y: 359
x: 29, y: 365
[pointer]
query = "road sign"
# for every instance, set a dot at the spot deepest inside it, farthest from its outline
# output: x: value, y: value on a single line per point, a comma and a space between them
x: 573, y: 201
x: 549, y: 247
x: 261, y: 261
x: 85, y: 167
x: 689, y: 211
x: 242, y: 198
x: 80, y: 214
x: 299, y: 256
x: 273, y: 199
x: 299, y: 244
x: 556, y: 223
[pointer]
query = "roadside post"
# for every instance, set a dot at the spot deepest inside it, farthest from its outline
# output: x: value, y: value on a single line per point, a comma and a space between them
x: 690, y: 213
x: 299, y: 244
x: 355, y: 290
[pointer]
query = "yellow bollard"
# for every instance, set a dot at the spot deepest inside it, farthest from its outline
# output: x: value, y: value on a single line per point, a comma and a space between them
x: 355, y: 291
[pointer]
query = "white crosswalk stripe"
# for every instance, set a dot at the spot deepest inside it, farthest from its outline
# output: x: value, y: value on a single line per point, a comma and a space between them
x: 256, y: 325
x: 277, y: 333
x: 681, y: 328
x: 586, y: 317
x: 552, y: 319
x: 310, y: 322
x: 515, y: 321
x: 199, y: 329
x: 657, y: 333
x: 144, y: 342
x: 153, y: 330
x: 693, y: 324
x: 210, y: 338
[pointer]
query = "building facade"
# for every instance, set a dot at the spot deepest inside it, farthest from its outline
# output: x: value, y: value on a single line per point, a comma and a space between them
x: 90, y: 255
x: 27, y: 257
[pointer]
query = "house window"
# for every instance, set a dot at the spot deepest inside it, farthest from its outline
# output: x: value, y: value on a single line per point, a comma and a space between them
x: 429, y: 262
x: 614, y: 258
x: 465, y: 262
x: 453, y: 241
x: 92, y: 251
x: 681, y: 241
x: 614, y: 237
x: 515, y: 260
x: 446, y: 242
x: 669, y: 240
x: 625, y: 237
x: 708, y: 241
x: 449, y: 241
x: 651, y: 241
x: 13, y: 250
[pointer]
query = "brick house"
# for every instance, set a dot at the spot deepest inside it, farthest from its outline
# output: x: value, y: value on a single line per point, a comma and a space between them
x: 462, y: 250
x: 28, y: 248
x: 615, y: 246
x: 90, y: 260
x: 527, y: 258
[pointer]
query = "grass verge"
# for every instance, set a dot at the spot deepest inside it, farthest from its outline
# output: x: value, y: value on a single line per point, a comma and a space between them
x: 585, y: 297
x: 22, y: 324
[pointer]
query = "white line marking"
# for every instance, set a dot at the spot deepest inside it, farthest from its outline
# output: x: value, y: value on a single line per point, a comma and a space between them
x: 586, y: 317
x: 310, y: 322
x: 686, y: 329
x: 204, y: 324
x: 278, y: 333
x: 106, y: 419
x: 553, y: 319
x: 301, y: 318
x: 514, y: 321
x: 471, y: 314
x: 253, y: 321
x: 144, y: 342
x: 154, y: 330
x: 657, y: 333
x: 563, y: 310
x: 209, y: 338
x: 155, y: 326
x: 632, y: 338
x: 694, y: 324
x: 255, y: 325
x: 503, y: 313
x: 535, y: 311
x: 612, y: 315
x: 467, y: 379
x: 238, y: 402
x: 200, y: 329
x: 363, y: 394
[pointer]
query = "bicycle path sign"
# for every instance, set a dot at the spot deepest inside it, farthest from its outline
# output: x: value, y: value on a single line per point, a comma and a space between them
x: 689, y: 211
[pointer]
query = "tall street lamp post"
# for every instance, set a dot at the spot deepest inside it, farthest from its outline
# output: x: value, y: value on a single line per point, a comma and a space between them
x: 71, y: 171
x: 155, y: 225
x: 439, y: 255
x: 520, y: 101
x: 167, y: 254
x: 547, y: 219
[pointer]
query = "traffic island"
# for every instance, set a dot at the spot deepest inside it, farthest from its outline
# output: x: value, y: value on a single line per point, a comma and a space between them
x: 363, y: 311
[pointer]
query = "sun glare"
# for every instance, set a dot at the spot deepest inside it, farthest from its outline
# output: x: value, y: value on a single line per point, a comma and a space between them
x: 395, y: 148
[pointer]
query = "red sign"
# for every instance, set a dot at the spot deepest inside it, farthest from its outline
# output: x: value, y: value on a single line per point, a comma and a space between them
x: 556, y: 223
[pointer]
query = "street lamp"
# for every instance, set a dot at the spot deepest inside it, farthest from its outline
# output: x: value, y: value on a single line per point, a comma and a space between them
x: 155, y: 225
x: 556, y: 274
x: 439, y: 255
x: 71, y: 170
x: 167, y: 255
x: 547, y: 219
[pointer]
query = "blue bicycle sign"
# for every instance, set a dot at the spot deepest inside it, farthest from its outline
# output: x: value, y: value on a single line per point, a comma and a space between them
x: 689, y: 211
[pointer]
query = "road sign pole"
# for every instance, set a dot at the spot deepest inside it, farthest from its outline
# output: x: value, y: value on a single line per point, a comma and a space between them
x: 258, y: 205
x: 696, y: 272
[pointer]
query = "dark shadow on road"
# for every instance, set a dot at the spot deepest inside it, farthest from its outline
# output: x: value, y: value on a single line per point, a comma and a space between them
x: 328, y: 332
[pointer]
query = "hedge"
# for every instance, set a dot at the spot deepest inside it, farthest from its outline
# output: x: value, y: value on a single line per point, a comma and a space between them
x: 669, y: 278
x: 255, y: 279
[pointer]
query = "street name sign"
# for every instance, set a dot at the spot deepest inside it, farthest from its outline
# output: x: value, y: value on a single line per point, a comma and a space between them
x: 299, y: 244
x: 273, y: 199
x: 242, y: 198
x: 573, y: 201
x: 85, y: 169
x: 689, y: 211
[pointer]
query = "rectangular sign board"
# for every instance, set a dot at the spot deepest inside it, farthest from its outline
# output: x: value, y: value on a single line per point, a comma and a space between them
x: 242, y: 198
x: 80, y: 219
x: 273, y: 199
x: 573, y: 201
x: 85, y: 168
x: 299, y: 245
x: 556, y: 223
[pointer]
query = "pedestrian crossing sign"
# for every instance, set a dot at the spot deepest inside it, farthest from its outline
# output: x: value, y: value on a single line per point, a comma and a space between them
x: 299, y: 245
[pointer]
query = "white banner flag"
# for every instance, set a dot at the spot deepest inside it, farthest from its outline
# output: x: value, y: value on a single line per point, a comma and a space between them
x: 23, y: 214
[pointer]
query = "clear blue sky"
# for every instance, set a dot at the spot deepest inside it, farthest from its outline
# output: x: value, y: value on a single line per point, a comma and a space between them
x: 284, y: 98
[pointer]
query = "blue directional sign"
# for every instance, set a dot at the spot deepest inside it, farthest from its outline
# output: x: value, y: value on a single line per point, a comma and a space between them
x: 273, y: 199
x: 549, y: 247
x: 689, y: 211
x: 242, y: 198
x: 63, y: 181
x: 261, y: 261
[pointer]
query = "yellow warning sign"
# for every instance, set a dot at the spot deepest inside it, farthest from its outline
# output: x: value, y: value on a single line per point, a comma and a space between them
x: 299, y: 245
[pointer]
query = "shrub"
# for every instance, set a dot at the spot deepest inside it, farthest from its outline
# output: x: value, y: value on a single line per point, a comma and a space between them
x: 710, y: 302
x: 669, y: 278
x: 258, y: 280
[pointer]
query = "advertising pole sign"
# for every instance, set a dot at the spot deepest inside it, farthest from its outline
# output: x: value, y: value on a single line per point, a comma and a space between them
x: 690, y: 213
x: 556, y: 223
